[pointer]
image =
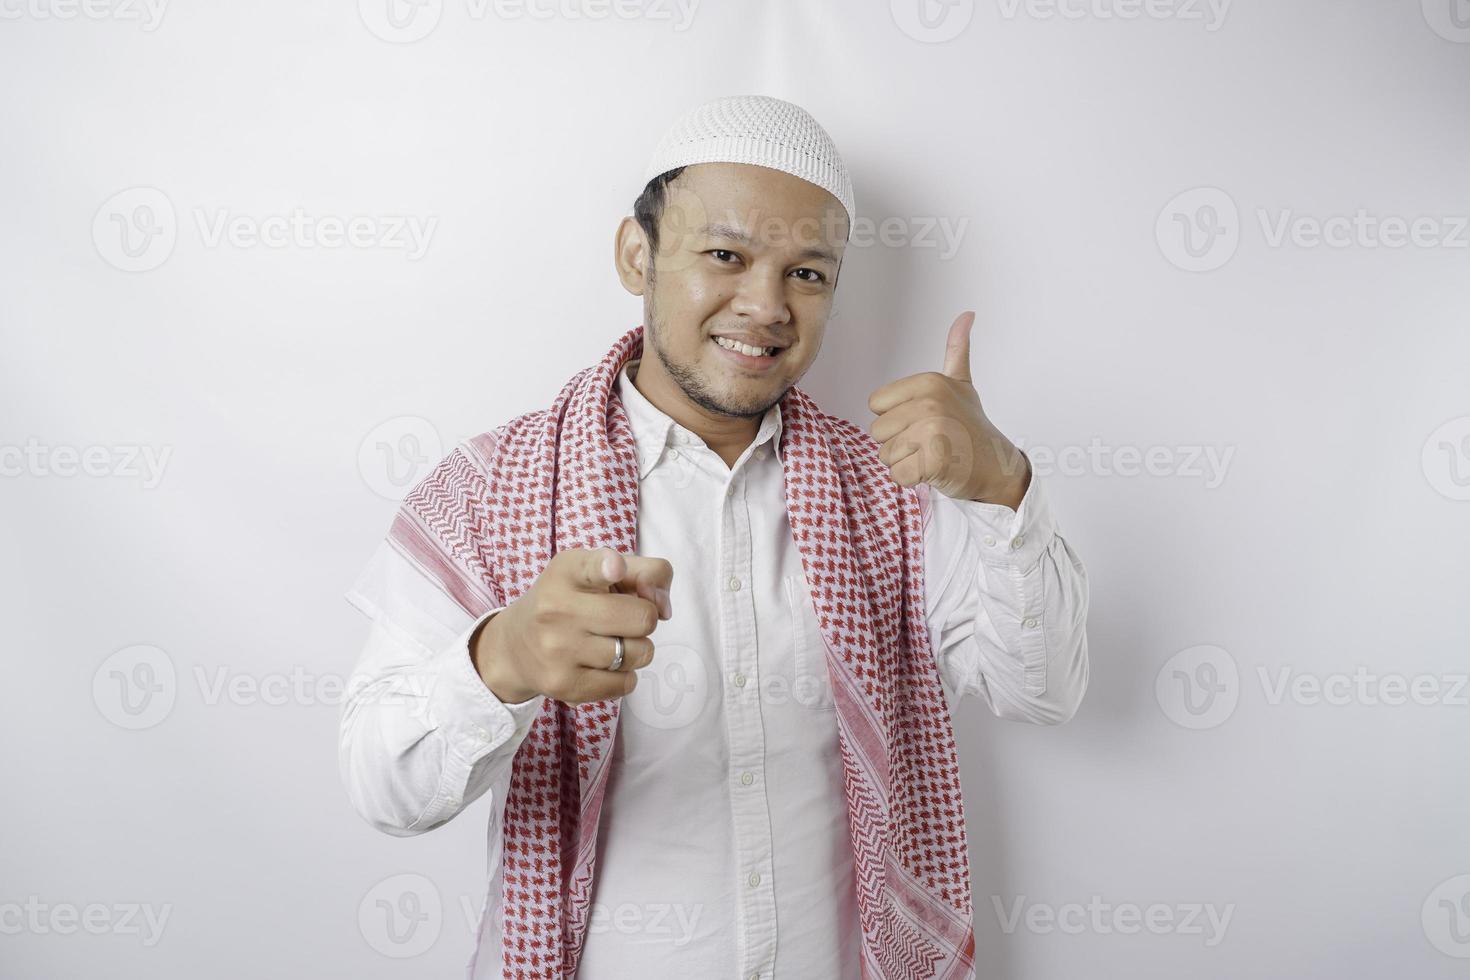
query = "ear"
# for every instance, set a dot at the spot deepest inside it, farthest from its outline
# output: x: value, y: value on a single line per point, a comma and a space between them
x: 631, y: 255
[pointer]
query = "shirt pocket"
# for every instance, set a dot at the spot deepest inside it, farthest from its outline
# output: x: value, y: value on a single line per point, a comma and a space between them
x: 811, y: 687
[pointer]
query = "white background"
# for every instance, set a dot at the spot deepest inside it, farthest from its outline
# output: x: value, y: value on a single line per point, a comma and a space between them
x: 1060, y: 141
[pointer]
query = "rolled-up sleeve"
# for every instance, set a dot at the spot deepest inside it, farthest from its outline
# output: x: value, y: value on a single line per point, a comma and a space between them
x: 1006, y: 599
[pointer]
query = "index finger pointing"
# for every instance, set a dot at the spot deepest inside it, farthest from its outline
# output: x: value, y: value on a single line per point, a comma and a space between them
x: 600, y: 569
x: 650, y: 578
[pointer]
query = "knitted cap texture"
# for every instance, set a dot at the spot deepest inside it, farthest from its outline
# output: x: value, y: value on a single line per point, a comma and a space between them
x: 760, y: 130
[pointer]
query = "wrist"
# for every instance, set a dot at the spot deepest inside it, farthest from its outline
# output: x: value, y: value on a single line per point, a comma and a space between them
x: 1011, y: 491
x: 488, y: 652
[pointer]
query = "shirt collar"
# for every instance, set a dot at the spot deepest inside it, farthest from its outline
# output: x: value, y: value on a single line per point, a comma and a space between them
x: 653, y: 430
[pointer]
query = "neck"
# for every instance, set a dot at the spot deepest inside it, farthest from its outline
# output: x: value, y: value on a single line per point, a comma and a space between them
x: 727, y: 435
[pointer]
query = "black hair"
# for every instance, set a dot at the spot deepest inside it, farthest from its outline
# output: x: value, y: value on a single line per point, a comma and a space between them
x: 649, y: 208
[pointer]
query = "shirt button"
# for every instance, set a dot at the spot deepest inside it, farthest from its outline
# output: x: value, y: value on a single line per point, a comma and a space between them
x: 990, y: 540
x: 673, y: 454
x: 760, y: 453
x: 730, y: 490
x: 739, y: 680
x: 1030, y: 624
x: 754, y: 879
x: 734, y: 584
x: 747, y: 778
x: 1017, y: 541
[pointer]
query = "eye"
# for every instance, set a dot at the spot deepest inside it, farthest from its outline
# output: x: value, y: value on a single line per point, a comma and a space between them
x: 717, y: 252
x: 819, y: 276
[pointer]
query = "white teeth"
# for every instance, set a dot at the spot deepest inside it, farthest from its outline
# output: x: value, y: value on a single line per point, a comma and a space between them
x: 745, y: 348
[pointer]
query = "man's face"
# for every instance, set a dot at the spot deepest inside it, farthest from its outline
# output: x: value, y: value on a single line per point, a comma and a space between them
x: 744, y: 252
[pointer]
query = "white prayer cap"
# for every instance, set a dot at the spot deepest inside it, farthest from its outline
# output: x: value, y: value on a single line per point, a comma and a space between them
x: 760, y: 130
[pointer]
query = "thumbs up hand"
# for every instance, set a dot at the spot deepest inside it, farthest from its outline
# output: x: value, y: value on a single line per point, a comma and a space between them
x: 932, y: 429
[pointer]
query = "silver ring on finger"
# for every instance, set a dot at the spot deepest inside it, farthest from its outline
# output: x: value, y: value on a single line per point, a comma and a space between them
x: 619, y: 648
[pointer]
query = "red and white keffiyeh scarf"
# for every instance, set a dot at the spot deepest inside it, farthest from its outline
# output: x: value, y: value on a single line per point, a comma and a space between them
x: 486, y: 522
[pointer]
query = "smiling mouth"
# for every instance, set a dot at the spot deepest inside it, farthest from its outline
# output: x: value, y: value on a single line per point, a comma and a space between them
x: 745, y: 350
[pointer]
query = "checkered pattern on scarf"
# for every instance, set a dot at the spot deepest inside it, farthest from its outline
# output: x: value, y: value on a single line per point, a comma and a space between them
x: 485, y: 523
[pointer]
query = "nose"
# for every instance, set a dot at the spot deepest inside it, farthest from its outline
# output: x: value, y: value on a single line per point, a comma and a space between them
x: 761, y: 298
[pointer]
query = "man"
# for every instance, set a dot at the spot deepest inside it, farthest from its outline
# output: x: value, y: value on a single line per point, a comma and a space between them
x: 770, y: 788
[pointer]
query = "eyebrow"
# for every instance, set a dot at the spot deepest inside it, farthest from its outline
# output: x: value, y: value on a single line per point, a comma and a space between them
x: 716, y: 230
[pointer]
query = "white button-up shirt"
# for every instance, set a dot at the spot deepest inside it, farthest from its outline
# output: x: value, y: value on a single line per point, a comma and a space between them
x: 723, y: 848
